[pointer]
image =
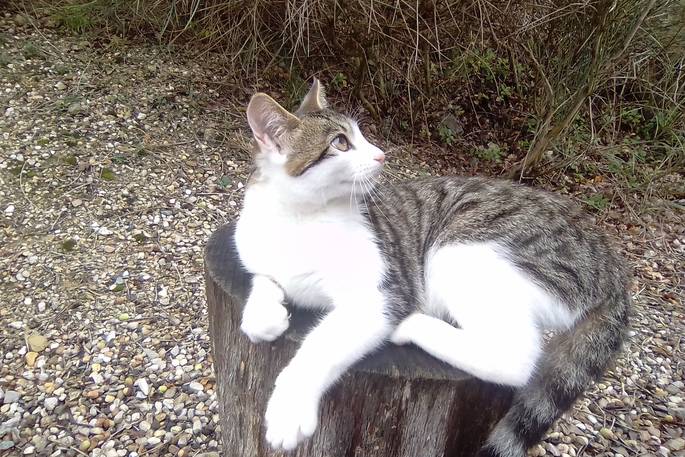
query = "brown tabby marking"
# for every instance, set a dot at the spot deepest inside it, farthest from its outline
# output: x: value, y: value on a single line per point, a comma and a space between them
x: 311, y: 139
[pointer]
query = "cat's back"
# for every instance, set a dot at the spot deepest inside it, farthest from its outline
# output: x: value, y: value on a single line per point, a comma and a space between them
x: 479, y: 209
x: 543, y: 233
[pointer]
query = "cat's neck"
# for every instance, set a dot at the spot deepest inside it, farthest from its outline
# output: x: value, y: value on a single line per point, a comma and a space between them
x: 284, y: 204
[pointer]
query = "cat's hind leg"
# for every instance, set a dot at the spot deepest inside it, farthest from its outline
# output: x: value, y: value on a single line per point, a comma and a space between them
x: 492, y: 356
x: 495, y: 306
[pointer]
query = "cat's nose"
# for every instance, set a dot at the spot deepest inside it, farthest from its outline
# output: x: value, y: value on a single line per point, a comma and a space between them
x: 379, y: 157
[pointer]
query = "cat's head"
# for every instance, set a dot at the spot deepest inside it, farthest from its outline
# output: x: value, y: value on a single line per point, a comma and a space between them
x: 314, y: 154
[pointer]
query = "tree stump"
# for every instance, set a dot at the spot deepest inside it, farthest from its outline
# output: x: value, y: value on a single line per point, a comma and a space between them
x: 397, y: 402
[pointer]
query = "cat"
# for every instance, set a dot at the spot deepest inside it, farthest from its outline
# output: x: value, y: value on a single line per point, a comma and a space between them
x: 471, y: 270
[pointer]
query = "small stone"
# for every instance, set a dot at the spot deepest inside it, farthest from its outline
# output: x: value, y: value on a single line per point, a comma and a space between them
x: 552, y: 449
x: 7, y: 444
x: 29, y: 450
x: 675, y: 444
x: 162, y: 389
x: 51, y: 403
x: 49, y: 387
x: 581, y: 440
x: 85, y: 445
x: 679, y: 413
x: 37, y: 342
x: 39, y: 442
x: 60, y: 85
x: 152, y: 441
x: 195, y: 387
x: 9, y: 210
x: 93, y: 394
x: 75, y: 108
x: 124, y: 317
x: 20, y: 19
x: 143, y: 386
x: 11, y: 396
x: 31, y: 358
x: 607, y: 433
x: 144, y: 426
x: 183, y: 440
x: 110, y: 398
x: 104, y: 231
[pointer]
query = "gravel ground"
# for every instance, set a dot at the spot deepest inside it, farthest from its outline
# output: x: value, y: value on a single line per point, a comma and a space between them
x: 117, y: 160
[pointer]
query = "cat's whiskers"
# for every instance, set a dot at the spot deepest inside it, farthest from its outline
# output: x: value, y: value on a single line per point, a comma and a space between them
x: 354, y: 189
x: 371, y: 191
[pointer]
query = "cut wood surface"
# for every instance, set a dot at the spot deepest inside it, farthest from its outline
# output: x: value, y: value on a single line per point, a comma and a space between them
x: 397, y: 402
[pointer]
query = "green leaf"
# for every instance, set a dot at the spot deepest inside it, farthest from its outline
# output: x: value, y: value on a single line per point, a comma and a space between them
x: 108, y: 175
x: 225, y: 181
x: 68, y: 245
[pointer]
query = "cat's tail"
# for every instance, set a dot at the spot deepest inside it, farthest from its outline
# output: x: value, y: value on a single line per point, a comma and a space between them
x: 571, y: 361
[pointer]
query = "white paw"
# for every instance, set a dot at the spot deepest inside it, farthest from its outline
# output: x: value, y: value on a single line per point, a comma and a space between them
x: 292, y: 412
x: 404, y: 332
x: 265, y: 323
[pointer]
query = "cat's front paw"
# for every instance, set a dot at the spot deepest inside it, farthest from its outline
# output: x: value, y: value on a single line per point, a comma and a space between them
x: 291, y: 414
x: 266, y: 323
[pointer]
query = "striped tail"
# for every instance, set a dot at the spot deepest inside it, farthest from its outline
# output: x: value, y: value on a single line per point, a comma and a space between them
x: 572, y: 360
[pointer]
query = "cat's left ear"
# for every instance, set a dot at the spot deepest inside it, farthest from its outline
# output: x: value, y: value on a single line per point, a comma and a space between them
x: 269, y: 122
x: 315, y: 100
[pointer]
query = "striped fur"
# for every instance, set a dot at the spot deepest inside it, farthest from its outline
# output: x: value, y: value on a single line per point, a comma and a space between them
x: 553, y: 242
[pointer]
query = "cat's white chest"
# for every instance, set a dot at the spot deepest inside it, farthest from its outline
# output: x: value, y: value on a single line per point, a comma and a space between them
x: 312, y: 258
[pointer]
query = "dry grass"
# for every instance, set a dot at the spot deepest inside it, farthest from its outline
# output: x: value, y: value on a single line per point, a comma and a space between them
x: 521, y: 74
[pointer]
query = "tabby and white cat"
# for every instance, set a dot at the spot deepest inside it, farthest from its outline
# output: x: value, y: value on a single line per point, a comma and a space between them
x: 503, y: 262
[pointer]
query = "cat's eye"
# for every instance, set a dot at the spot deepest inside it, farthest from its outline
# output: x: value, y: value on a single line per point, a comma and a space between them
x: 341, y: 143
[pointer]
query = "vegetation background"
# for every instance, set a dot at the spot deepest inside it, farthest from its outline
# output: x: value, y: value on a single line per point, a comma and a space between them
x: 519, y: 88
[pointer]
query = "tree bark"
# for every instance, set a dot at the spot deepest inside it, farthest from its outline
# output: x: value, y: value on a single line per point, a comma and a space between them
x: 398, y: 402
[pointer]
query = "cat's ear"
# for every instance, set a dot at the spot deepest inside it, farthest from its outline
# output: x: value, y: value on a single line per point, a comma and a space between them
x: 315, y: 100
x: 269, y: 121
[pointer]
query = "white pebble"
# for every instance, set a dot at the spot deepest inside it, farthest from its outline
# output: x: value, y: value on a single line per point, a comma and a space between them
x: 51, y: 403
x: 196, y: 387
x: 143, y: 386
x: 153, y: 441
